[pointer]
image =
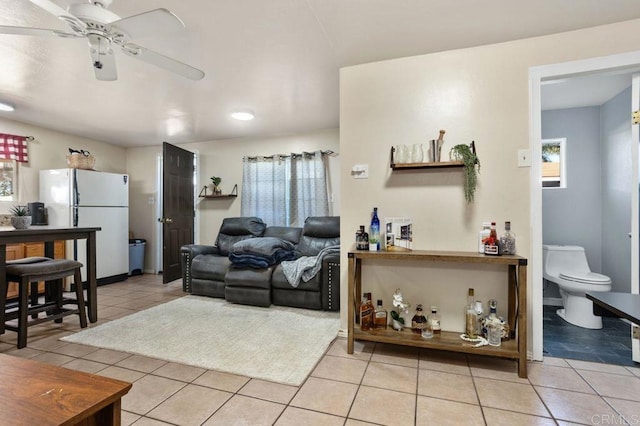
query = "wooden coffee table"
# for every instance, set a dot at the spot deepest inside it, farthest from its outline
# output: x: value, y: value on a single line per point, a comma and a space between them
x: 35, y: 393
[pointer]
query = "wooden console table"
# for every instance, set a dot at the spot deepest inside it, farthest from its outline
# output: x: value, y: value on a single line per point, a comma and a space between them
x: 447, y: 340
x: 35, y: 393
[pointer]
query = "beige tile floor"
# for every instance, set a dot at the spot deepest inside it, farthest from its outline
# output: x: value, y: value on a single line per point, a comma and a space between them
x: 378, y: 384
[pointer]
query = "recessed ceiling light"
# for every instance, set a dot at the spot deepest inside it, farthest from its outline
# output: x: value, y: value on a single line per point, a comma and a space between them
x: 243, y: 115
x: 6, y: 107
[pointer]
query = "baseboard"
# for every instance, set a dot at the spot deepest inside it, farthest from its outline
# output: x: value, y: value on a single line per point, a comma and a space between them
x: 552, y: 301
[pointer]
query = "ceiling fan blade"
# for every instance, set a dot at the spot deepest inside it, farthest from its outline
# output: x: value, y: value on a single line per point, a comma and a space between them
x: 102, y: 60
x: 4, y: 29
x: 148, y: 23
x: 57, y: 11
x: 164, y: 62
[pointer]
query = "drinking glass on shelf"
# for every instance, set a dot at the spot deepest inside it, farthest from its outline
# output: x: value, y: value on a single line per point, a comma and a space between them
x: 417, y: 155
x: 401, y: 154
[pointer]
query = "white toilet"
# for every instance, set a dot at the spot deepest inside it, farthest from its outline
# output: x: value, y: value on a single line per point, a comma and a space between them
x: 567, y: 266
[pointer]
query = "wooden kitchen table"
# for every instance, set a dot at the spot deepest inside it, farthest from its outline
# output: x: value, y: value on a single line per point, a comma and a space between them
x: 49, y: 234
x: 36, y: 393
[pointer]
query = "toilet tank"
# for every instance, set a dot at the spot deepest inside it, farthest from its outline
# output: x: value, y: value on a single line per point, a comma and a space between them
x: 557, y: 259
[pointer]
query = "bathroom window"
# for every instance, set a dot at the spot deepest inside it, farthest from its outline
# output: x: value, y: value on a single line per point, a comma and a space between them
x: 553, y: 163
x: 8, y: 180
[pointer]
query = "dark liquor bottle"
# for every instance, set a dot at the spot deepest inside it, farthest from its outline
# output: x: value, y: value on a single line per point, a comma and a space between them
x: 366, y: 313
x: 362, y: 239
x: 418, y: 321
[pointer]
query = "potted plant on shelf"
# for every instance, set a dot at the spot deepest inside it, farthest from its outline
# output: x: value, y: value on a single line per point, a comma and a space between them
x: 20, y: 217
x: 396, y: 316
x: 468, y: 156
x: 215, y: 181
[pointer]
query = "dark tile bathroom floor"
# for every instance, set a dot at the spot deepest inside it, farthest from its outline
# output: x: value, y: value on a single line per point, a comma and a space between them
x: 611, y: 344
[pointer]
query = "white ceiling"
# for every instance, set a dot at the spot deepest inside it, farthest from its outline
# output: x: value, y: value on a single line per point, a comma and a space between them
x: 589, y: 90
x: 279, y: 58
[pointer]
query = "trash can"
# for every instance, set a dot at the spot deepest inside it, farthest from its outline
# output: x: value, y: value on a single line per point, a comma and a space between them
x: 136, y: 256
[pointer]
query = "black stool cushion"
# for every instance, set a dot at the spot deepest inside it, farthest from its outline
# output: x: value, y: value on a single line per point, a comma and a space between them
x: 49, y: 267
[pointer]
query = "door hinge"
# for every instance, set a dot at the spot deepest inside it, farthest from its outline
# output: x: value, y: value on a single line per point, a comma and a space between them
x: 635, y: 332
x: 635, y: 117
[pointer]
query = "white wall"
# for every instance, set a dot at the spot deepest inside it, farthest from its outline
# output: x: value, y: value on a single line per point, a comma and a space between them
x: 217, y: 158
x: 48, y: 151
x: 616, y: 190
x: 479, y: 94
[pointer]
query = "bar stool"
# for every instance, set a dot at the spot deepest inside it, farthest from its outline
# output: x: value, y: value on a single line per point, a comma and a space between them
x: 27, y: 272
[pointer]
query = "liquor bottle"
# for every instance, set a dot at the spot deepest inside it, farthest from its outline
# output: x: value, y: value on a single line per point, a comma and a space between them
x: 471, y: 317
x: 366, y: 313
x: 483, y: 236
x: 418, y: 321
x: 374, y: 232
x: 493, y: 325
x: 434, y: 320
x: 492, y: 244
x: 508, y: 240
x: 362, y: 239
x: 380, y: 316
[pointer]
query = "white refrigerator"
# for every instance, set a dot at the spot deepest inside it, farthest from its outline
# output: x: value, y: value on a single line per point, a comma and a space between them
x: 75, y: 197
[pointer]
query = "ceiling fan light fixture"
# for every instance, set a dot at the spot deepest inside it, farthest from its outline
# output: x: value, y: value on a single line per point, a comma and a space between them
x: 6, y: 107
x: 244, y: 115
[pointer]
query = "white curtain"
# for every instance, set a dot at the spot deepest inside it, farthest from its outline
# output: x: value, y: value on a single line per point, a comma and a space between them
x: 285, y: 190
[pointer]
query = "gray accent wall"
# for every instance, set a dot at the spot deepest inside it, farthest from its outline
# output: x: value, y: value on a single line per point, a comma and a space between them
x: 594, y: 210
x: 572, y: 215
x: 616, y: 190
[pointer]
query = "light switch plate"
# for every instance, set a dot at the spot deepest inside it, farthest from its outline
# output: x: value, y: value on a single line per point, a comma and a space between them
x: 524, y: 158
x: 360, y: 171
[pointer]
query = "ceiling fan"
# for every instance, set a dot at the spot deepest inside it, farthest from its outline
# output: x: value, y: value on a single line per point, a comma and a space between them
x: 103, y: 29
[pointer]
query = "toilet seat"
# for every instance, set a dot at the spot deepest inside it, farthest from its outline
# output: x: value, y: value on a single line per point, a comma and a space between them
x: 586, y: 277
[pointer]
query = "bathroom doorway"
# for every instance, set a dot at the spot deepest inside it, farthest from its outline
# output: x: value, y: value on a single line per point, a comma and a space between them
x: 590, y: 225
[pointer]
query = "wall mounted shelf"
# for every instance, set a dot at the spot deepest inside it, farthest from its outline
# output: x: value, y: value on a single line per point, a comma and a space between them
x: 232, y: 194
x: 432, y: 165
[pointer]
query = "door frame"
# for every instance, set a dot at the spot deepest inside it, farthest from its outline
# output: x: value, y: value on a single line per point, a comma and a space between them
x: 631, y: 61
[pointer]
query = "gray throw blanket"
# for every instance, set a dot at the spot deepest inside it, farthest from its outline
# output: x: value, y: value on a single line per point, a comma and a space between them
x: 261, y: 253
x: 306, y: 267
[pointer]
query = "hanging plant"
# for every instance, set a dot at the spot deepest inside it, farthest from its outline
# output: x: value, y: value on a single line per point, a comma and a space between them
x: 465, y: 154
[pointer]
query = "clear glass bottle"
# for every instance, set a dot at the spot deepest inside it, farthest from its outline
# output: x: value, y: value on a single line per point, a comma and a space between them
x: 434, y: 320
x: 380, y: 316
x: 362, y: 239
x: 479, y: 309
x: 366, y: 313
x: 374, y: 231
x: 471, y: 318
x: 483, y: 235
x: 508, y: 240
x: 418, y: 321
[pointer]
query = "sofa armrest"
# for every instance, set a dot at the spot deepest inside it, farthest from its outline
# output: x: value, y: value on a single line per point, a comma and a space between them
x: 331, y: 283
x: 188, y: 252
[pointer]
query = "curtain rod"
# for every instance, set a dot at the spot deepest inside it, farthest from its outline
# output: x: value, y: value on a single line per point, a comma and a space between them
x: 293, y: 154
x: 29, y: 138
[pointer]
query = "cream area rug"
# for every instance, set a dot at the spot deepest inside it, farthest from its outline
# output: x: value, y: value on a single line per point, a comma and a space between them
x: 278, y: 344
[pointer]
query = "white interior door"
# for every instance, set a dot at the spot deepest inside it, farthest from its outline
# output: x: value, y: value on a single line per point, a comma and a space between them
x: 635, y: 199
